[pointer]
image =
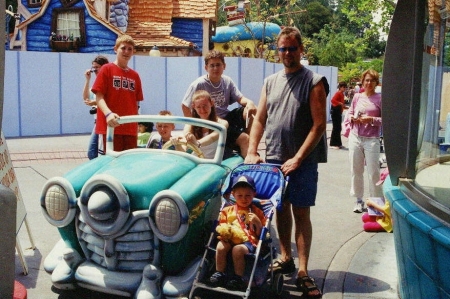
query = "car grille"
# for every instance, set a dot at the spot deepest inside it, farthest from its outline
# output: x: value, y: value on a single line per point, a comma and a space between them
x: 130, y: 250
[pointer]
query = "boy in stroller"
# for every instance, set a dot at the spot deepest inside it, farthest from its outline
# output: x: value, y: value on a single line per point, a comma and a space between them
x: 264, y: 185
x: 239, y: 228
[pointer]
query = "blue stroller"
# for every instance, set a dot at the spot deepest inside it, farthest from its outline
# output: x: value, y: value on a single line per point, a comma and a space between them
x: 270, y: 185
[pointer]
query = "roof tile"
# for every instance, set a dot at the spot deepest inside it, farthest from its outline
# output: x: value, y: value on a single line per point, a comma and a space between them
x: 150, y: 21
x: 202, y: 9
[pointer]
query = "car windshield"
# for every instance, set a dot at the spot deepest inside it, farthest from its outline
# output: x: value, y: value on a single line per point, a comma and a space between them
x: 169, y: 136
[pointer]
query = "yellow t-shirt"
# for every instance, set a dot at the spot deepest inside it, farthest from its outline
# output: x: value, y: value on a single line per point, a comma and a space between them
x: 386, y: 221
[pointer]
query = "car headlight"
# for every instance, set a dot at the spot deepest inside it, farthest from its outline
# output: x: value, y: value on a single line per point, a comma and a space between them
x: 58, y: 201
x: 169, y: 216
x: 104, y: 204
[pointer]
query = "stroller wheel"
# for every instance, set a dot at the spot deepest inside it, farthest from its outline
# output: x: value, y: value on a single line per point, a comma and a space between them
x: 277, y: 284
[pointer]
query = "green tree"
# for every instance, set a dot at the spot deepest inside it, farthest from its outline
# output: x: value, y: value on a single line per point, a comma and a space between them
x: 375, y: 45
x: 447, y: 50
x: 368, y: 14
x: 352, y: 71
x: 314, y: 19
x: 335, y: 48
x: 352, y: 40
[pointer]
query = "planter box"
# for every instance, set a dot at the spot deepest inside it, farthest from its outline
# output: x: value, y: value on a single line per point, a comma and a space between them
x: 64, y: 46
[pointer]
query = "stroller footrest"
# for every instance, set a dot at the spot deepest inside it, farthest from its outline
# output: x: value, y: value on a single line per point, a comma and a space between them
x: 211, y: 248
x: 250, y: 257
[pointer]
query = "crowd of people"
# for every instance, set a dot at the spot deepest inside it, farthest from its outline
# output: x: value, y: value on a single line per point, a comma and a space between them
x: 292, y: 112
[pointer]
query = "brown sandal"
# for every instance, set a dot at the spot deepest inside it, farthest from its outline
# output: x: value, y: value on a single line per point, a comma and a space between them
x: 284, y: 267
x: 306, y: 285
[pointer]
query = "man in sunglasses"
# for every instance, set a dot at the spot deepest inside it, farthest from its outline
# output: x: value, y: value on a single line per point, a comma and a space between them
x: 295, y: 100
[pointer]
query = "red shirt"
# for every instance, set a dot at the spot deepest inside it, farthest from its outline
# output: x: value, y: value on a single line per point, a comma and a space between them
x: 122, y: 89
x: 337, y: 99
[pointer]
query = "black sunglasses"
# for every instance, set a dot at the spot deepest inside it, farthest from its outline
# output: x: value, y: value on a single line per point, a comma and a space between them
x: 290, y: 49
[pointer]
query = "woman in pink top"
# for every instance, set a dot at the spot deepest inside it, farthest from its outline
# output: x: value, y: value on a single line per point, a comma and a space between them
x: 364, y: 118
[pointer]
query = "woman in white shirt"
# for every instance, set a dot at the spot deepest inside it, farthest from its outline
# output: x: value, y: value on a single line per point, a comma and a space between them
x: 206, y: 139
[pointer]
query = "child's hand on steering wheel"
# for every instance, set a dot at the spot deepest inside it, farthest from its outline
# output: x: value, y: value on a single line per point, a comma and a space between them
x: 177, y: 140
x: 190, y: 138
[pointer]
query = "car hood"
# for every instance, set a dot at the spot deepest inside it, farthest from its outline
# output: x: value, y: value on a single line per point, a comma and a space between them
x: 144, y: 174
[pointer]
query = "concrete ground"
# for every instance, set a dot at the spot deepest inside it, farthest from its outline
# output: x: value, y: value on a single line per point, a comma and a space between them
x: 345, y: 261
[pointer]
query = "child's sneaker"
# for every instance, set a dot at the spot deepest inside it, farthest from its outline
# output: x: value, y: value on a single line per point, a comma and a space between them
x: 217, y: 279
x: 236, y: 284
x: 359, y: 207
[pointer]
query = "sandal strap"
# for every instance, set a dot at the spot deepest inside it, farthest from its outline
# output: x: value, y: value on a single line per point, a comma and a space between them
x: 285, y: 267
x: 307, y: 278
x: 301, y: 285
x: 280, y: 263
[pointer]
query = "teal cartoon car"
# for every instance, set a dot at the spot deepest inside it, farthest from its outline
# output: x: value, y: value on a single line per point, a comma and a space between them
x: 134, y: 223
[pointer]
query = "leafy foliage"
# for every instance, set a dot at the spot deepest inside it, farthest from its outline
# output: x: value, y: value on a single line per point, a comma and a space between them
x: 348, y: 34
x: 314, y: 19
x: 331, y: 48
x: 447, y: 50
x: 352, y: 71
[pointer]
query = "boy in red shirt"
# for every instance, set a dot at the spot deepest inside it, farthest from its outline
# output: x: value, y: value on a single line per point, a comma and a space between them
x: 118, y: 90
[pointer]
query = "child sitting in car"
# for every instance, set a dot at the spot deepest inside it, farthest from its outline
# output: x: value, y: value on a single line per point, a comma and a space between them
x: 164, y: 133
x: 144, y: 133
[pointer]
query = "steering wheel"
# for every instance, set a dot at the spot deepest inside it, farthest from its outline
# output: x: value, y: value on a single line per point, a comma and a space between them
x: 193, y: 147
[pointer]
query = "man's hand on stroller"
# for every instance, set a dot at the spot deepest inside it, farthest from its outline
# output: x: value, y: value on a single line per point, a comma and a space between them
x: 290, y: 165
x: 253, y: 159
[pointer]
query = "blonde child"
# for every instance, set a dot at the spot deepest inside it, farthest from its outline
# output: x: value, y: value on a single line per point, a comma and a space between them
x: 164, y: 133
x: 382, y: 223
x: 251, y: 220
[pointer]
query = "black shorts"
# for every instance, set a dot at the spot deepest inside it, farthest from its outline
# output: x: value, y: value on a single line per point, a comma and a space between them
x: 236, y: 125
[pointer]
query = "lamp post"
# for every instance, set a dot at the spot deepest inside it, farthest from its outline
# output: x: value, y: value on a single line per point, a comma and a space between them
x: 154, y: 52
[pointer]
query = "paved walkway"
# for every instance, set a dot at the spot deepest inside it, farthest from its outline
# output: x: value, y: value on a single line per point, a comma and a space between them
x: 44, y: 150
x: 345, y: 261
